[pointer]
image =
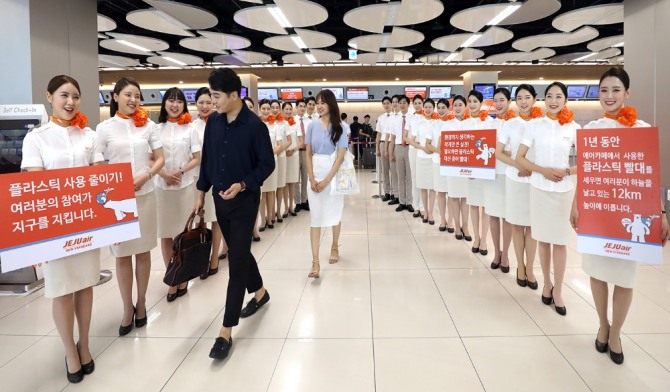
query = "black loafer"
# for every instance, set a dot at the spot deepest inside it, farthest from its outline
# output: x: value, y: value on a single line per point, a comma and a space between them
x: 221, y: 348
x: 401, y: 207
x: 253, y: 305
x: 297, y: 208
x: 410, y: 208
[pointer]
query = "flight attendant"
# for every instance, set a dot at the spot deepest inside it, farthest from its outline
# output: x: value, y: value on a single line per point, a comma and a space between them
x: 129, y: 136
x: 479, y: 119
x: 292, y: 160
x: 517, y: 184
x: 175, y: 182
x: 458, y: 186
x: 269, y: 186
x: 424, y: 159
x: 66, y: 142
x: 417, y: 102
x: 440, y: 182
x: 614, y: 91
x: 551, y: 138
x: 495, y: 190
x: 382, y: 151
x: 282, y: 129
x: 400, y: 154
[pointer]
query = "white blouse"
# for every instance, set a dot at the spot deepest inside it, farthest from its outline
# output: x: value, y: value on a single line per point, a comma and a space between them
x: 120, y: 141
x: 435, y: 137
x: 282, y: 129
x: 199, y: 125
x: 552, y: 143
x: 501, y: 167
x: 612, y: 123
x: 424, y: 129
x: 510, y: 135
x: 55, y: 147
x: 179, y: 142
x: 275, y: 136
x: 294, y: 130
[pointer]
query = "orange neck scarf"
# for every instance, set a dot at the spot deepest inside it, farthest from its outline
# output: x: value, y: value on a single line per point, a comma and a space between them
x: 564, y: 116
x: 535, y: 112
x: 433, y: 116
x: 183, y: 118
x: 270, y: 119
x: 79, y: 120
x: 291, y: 121
x: 140, y: 117
x: 483, y: 114
x: 509, y: 115
x: 627, y: 116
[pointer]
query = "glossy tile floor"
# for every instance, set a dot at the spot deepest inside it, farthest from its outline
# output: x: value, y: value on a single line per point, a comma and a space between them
x: 406, y: 309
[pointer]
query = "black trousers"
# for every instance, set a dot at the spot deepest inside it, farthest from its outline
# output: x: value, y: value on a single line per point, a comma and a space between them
x: 237, y: 218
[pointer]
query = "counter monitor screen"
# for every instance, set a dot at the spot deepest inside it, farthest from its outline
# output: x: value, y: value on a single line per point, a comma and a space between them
x: 190, y: 95
x: 575, y: 92
x: 357, y: 93
x: 513, y: 91
x: 487, y: 89
x: 267, y: 93
x: 338, y: 91
x: 101, y: 98
x: 411, y: 92
x: 593, y: 92
x: 244, y: 92
x: 291, y: 94
x: 439, y: 92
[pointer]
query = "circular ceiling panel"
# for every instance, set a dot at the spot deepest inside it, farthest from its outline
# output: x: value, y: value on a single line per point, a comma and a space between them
x: 105, y: 23
x: 373, y: 18
x: 301, y: 40
x: 169, y: 59
x: 109, y: 61
x: 492, y: 36
x: 133, y: 44
x: 193, y: 18
x: 605, y: 43
x: 475, y: 18
x: 512, y: 57
x: 158, y: 21
x: 467, y: 54
x: 555, y: 39
x: 275, y: 18
x: 399, y: 37
x: 212, y: 42
x: 389, y: 56
x: 589, y: 16
x: 532, y: 10
x: 321, y: 56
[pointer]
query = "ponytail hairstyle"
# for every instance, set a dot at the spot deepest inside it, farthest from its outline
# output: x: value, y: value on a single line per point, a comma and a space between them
x: 118, y: 87
x: 329, y: 99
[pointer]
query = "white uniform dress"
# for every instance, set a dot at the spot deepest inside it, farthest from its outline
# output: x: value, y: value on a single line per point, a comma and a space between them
x: 293, y: 162
x: 281, y: 129
x: 620, y: 272
x: 477, y: 187
x: 440, y: 182
x: 175, y: 202
x: 517, y: 189
x: 120, y: 141
x: 550, y: 202
x: 424, y: 162
x: 494, y: 196
x: 458, y: 186
x: 55, y: 147
x: 270, y: 183
x: 210, y: 210
x: 416, y: 199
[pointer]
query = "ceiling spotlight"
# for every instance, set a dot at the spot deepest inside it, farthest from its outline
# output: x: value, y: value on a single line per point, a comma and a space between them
x: 397, y: 78
x: 541, y: 77
x: 181, y: 82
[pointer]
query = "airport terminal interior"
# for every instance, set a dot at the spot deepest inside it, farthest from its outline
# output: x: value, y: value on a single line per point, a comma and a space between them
x: 408, y: 306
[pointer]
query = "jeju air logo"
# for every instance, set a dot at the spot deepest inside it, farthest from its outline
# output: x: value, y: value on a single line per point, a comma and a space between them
x: 120, y: 207
x: 638, y: 227
x: 465, y: 172
x: 78, y: 243
x: 485, y: 152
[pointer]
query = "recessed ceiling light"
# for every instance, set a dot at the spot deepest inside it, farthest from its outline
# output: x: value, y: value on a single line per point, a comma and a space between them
x: 541, y: 78
x: 181, y: 82
x: 324, y: 79
x: 397, y: 78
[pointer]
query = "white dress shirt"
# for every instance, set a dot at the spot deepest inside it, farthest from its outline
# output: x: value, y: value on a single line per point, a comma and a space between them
x: 55, y: 147
x: 552, y: 143
x: 424, y: 129
x: 179, y: 142
x: 120, y: 141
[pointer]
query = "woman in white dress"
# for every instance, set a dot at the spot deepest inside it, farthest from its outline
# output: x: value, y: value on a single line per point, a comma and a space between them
x: 175, y: 182
x: 66, y: 142
x: 269, y: 187
x: 282, y: 128
x: 517, y: 184
x: 422, y: 129
x: 440, y: 182
x: 479, y: 119
x: 203, y: 102
x: 614, y: 91
x: 551, y: 138
x: 495, y: 190
x: 458, y: 186
x: 292, y: 159
x: 129, y: 136
x: 256, y: 237
x: 417, y: 103
x: 323, y: 138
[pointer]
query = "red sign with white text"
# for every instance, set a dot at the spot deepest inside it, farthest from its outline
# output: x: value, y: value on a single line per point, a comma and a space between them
x: 468, y: 154
x: 50, y: 214
x: 618, y: 193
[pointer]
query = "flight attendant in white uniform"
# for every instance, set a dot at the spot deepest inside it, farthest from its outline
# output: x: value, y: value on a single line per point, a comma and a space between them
x: 517, y: 184
x: 129, y: 136
x: 282, y: 129
x: 551, y: 138
x: 66, y: 142
x: 495, y: 190
x: 614, y: 91
x: 292, y: 159
x: 175, y: 182
x: 479, y: 119
x: 269, y: 187
x: 440, y: 182
x: 458, y: 186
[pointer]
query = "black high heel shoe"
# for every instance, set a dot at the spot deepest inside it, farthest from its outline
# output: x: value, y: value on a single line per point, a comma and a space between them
x: 88, y: 368
x: 559, y: 309
x: 548, y: 300
x: 262, y: 228
x: 459, y: 236
x: 450, y: 230
x: 442, y: 228
x: 125, y: 329
x: 616, y: 357
x: 182, y: 292
x: 601, y: 347
x: 467, y: 237
x: 521, y: 282
x: 172, y: 296
x: 495, y: 265
x: 141, y: 322
x: 75, y: 377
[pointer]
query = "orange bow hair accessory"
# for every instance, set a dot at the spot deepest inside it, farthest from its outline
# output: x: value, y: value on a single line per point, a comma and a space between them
x: 291, y: 121
x: 139, y: 117
x: 183, y: 118
x: 483, y: 114
x: 627, y: 116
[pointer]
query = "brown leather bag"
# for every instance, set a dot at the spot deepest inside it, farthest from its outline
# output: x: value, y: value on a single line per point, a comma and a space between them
x: 190, y: 252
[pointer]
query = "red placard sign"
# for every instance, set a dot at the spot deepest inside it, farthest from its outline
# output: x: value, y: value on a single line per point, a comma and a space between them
x: 468, y: 154
x: 50, y: 214
x: 618, y: 193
